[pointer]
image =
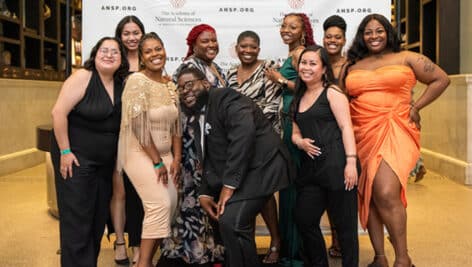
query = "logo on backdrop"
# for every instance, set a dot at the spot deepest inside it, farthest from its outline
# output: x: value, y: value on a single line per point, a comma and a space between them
x: 177, y: 3
x: 296, y: 4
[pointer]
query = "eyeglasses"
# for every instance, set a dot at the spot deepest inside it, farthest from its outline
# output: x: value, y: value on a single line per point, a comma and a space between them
x: 188, y: 85
x: 106, y: 51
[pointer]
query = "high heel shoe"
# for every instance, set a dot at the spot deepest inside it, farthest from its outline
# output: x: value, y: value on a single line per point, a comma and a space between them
x: 272, y: 255
x: 124, y: 261
x: 335, y: 252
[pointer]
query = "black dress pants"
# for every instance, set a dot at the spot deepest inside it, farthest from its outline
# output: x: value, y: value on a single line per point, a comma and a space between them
x: 312, y: 201
x: 84, y: 205
x: 237, y: 231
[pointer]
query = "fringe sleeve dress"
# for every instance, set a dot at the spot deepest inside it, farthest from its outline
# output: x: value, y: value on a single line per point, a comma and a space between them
x: 150, y: 115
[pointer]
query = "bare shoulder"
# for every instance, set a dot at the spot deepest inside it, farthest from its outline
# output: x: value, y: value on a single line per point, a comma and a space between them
x: 296, y: 54
x: 335, y: 89
x: 419, y: 62
x: 335, y: 94
x: 81, y: 74
x: 79, y: 79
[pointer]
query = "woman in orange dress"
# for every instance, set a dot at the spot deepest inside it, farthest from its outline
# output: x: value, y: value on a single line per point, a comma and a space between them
x: 379, y: 80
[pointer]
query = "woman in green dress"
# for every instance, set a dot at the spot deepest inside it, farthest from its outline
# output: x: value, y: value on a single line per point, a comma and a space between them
x: 297, y: 33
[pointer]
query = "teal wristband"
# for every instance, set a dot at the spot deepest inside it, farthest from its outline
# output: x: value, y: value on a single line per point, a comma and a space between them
x: 158, y: 165
x: 65, y: 151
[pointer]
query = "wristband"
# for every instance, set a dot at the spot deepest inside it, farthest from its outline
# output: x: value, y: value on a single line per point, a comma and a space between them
x: 65, y: 151
x: 158, y: 165
x: 351, y: 156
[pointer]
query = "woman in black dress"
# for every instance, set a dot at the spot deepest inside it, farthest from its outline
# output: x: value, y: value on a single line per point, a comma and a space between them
x: 86, y: 122
x: 126, y: 208
x: 328, y: 173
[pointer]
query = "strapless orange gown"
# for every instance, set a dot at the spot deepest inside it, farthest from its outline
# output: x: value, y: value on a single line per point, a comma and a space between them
x: 380, y: 108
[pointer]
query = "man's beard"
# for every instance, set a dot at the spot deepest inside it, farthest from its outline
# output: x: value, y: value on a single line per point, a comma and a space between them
x: 201, y: 101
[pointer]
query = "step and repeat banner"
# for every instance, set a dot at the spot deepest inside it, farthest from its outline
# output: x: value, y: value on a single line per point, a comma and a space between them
x: 173, y: 19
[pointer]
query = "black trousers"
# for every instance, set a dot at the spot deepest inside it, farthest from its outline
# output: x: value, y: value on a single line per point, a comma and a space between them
x: 311, y: 203
x: 84, y: 206
x: 236, y: 227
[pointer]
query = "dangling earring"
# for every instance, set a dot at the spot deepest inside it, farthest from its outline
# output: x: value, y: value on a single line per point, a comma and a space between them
x: 302, y: 40
x: 325, y: 77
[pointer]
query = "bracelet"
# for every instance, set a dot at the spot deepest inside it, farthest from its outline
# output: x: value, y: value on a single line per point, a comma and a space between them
x: 65, y: 151
x: 158, y: 165
x: 282, y: 81
x: 351, y: 156
x: 415, y: 109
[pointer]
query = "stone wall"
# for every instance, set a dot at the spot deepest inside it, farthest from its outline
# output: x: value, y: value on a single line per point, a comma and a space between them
x: 24, y: 104
x: 446, y: 136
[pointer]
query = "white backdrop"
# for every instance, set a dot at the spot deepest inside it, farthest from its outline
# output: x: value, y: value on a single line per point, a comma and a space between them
x: 173, y: 19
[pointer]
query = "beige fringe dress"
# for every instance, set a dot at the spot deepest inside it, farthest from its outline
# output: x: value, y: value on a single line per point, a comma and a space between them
x: 150, y: 115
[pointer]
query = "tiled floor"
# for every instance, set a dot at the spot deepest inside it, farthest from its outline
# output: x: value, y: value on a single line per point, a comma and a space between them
x: 439, y: 233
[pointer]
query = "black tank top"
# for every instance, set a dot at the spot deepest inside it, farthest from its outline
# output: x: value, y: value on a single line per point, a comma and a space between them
x: 318, y: 123
x: 95, y: 111
x: 94, y: 123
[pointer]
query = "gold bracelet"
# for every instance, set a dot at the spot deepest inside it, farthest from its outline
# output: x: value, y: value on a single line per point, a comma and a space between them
x: 415, y: 109
x: 282, y: 81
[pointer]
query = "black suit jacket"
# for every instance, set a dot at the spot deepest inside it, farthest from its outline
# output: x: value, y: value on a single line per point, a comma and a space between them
x: 241, y: 149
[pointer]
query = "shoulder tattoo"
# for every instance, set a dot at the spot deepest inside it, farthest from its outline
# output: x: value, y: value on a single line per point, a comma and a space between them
x: 428, y: 66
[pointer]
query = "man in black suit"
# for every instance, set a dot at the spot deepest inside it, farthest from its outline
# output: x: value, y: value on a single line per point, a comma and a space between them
x: 244, y: 161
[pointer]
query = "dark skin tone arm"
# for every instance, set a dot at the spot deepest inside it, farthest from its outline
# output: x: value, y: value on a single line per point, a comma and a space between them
x: 175, y: 169
x: 430, y: 74
x: 274, y: 75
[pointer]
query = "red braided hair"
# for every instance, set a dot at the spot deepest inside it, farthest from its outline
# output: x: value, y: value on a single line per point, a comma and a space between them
x: 308, y: 30
x: 193, y: 35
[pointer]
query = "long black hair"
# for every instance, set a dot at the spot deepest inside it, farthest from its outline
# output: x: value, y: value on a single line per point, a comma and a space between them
x: 300, y: 85
x: 359, y: 50
x: 122, y: 71
x: 126, y: 20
